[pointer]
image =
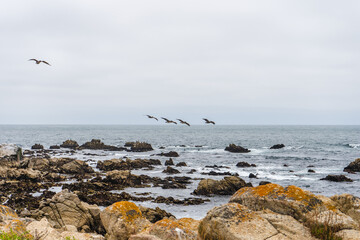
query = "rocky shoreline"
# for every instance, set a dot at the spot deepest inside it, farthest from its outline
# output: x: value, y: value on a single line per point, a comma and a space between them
x: 30, y: 206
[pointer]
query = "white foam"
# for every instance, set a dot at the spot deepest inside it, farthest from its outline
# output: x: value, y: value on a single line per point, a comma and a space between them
x: 354, y: 145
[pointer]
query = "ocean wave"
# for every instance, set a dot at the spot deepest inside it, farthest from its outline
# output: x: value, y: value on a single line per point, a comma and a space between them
x: 353, y: 145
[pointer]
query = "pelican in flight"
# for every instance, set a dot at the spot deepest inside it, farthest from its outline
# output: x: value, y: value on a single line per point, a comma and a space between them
x: 183, y: 122
x: 39, y: 61
x: 207, y: 121
x: 149, y: 116
x: 169, y: 121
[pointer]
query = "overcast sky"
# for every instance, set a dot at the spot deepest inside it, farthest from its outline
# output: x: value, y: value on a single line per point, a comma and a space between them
x: 233, y: 61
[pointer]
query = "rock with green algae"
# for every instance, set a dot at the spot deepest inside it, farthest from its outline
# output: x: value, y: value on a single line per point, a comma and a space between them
x: 123, y: 219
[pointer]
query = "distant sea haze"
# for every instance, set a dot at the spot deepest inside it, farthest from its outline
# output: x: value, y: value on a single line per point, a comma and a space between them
x: 324, y: 149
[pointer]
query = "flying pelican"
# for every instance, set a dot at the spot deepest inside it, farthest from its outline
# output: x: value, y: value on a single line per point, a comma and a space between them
x: 39, y: 61
x: 207, y: 121
x: 149, y: 116
x: 183, y: 122
x: 169, y: 121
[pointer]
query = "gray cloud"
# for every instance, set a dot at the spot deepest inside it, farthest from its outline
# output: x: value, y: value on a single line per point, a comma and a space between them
x: 239, y: 62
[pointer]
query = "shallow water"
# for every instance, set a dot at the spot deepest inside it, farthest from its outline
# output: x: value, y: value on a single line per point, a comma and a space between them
x: 328, y: 148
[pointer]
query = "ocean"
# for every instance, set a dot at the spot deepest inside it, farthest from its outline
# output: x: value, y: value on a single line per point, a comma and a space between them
x: 327, y: 148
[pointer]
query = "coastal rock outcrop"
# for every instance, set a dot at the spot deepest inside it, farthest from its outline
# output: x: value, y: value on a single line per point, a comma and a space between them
x: 128, y: 164
x: 123, y: 219
x: 139, y: 146
x: 278, y: 146
x: 155, y: 214
x: 70, y: 144
x: 236, y: 149
x: 37, y: 146
x: 337, y: 178
x: 10, y: 153
x: 245, y: 164
x: 169, y: 154
x: 65, y: 208
x: 96, y: 144
x: 170, y: 170
x: 226, y: 186
x: 353, y: 166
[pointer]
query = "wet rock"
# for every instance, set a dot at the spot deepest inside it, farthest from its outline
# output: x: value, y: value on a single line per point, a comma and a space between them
x: 139, y: 146
x: 236, y: 149
x: 186, y: 201
x: 154, y: 215
x: 96, y: 144
x: 337, y: 178
x: 170, y: 170
x: 54, y: 147
x: 123, y: 219
x: 353, y: 166
x: 226, y: 186
x: 65, y: 208
x: 216, y: 166
x: 264, y: 183
x: 169, y: 154
x: 213, y: 173
x: 251, y: 175
x: 37, y: 146
x: 105, y: 198
x: 277, y: 146
x: 70, y: 144
x: 310, y: 166
x: 169, y: 162
x: 191, y: 171
x: 245, y: 164
x: 128, y: 164
x: 123, y: 178
x: 75, y: 167
x: 181, y: 164
x: 311, y: 171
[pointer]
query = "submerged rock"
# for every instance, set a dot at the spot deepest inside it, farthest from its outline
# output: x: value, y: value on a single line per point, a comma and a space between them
x: 226, y: 186
x: 96, y: 144
x: 128, y: 164
x: 169, y: 154
x: 169, y: 162
x: 236, y: 149
x: 245, y: 164
x: 37, y: 146
x: 277, y: 146
x: 337, y: 178
x: 139, y: 146
x: 54, y: 147
x: 170, y: 170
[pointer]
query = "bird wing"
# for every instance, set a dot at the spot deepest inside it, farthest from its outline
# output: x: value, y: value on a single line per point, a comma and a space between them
x: 206, y: 120
x: 212, y: 122
x: 165, y: 119
x: 46, y: 63
x: 155, y: 118
x: 148, y: 116
x: 187, y: 124
x: 33, y: 59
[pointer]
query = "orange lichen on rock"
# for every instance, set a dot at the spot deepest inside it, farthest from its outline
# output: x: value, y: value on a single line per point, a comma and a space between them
x: 128, y: 210
x: 7, y: 212
x: 185, y: 224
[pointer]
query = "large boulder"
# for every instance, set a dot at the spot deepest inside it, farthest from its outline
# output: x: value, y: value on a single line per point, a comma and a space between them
x: 172, y: 229
x: 236, y: 149
x: 226, y: 186
x: 139, y: 146
x: 154, y: 215
x: 233, y: 221
x: 70, y: 144
x: 128, y: 164
x: 20, y: 174
x: 10, y: 222
x: 65, y: 208
x: 37, y: 146
x: 353, y: 166
x: 123, y: 219
x: 295, y: 202
x: 76, y: 167
x: 169, y: 154
x: 348, y: 204
x: 96, y: 144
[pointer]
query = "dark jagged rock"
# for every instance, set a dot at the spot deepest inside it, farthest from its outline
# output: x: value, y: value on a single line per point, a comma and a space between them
x: 186, y: 201
x: 169, y: 162
x: 216, y: 166
x: 236, y: 149
x: 96, y: 144
x: 191, y: 171
x: 337, y: 178
x: 181, y: 164
x: 128, y: 164
x: 105, y: 198
x: 213, y: 173
x: 226, y: 186
x: 285, y: 165
x: 70, y: 144
x: 264, y: 182
x: 154, y: 215
x: 170, y: 170
x: 277, y: 146
x: 353, y: 166
x: 169, y: 154
x: 55, y: 147
x: 245, y: 164
x: 311, y: 171
x: 310, y: 166
x: 138, y: 146
x: 37, y: 146
x: 251, y: 175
